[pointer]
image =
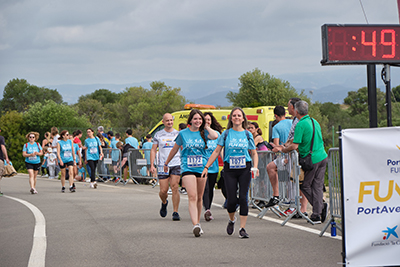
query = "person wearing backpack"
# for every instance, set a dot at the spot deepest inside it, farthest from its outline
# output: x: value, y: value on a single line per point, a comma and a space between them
x: 237, y: 142
x: 94, y: 153
x: 32, y: 152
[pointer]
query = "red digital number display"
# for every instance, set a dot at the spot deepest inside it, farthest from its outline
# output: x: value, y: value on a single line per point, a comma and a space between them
x: 360, y: 44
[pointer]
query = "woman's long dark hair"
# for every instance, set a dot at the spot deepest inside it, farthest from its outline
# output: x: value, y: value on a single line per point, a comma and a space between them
x: 201, y: 129
x: 258, y: 130
x: 214, y: 123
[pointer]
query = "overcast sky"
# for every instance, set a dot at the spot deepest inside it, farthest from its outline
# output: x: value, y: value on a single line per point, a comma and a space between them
x: 123, y: 41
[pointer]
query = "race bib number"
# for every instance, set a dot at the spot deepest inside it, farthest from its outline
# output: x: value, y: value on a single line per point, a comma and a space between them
x: 67, y: 154
x: 160, y: 170
x: 194, y: 161
x: 237, y: 162
x: 93, y: 150
x: 32, y: 158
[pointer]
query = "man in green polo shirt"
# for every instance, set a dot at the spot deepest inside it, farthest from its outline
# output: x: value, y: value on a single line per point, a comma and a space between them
x: 313, y: 183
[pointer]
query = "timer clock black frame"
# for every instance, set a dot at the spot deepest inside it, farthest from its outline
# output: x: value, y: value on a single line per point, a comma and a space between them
x: 344, y: 44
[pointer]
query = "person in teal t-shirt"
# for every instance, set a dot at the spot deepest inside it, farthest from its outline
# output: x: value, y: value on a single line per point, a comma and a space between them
x: 214, y: 168
x: 32, y: 152
x: 94, y: 152
x: 146, y: 149
x: 66, y: 159
x: 193, y: 157
x: 237, y: 143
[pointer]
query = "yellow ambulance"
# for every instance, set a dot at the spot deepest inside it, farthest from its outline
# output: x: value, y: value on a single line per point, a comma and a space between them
x: 263, y: 115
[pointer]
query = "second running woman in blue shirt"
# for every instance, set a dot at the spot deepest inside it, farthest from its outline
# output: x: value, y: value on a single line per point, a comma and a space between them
x: 193, y: 158
x: 238, y: 163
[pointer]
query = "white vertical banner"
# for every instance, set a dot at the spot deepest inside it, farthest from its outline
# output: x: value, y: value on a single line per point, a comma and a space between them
x: 371, y: 190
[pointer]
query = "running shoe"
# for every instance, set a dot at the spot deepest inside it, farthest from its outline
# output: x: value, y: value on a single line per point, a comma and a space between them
x: 63, y: 189
x: 91, y: 185
x: 316, y: 219
x: 73, y: 185
x: 163, y: 210
x: 261, y: 204
x: 242, y: 233
x: 230, y: 229
x: 94, y: 185
x: 32, y: 191
x: 1, y: 193
x: 116, y: 180
x: 72, y: 189
x: 324, y: 211
x: 175, y: 216
x: 288, y: 211
x: 272, y: 202
x: 169, y: 191
x: 208, y: 216
x: 197, y: 230
x: 183, y: 191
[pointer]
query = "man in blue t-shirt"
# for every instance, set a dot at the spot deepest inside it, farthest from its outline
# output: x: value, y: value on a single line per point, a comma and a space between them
x: 131, y: 140
x: 280, y: 133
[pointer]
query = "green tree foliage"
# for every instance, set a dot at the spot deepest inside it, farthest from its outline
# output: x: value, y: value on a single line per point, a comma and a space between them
x: 104, y: 96
x: 19, y: 95
x: 140, y: 108
x: 13, y: 129
x: 257, y: 88
x: 396, y: 94
x: 92, y: 109
x: 41, y: 117
x: 358, y: 103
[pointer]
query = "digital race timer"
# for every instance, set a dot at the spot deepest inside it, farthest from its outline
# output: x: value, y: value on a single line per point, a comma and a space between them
x: 360, y: 44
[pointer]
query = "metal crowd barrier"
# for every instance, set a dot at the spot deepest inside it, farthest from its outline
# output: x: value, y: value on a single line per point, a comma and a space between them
x: 335, y: 208
x: 107, y: 168
x: 139, y: 165
x: 288, y: 179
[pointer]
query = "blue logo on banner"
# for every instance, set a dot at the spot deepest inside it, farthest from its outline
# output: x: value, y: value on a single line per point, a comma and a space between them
x: 389, y: 232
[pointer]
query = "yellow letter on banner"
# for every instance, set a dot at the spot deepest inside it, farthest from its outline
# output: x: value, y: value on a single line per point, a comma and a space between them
x: 363, y: 191
x: 389, y: 195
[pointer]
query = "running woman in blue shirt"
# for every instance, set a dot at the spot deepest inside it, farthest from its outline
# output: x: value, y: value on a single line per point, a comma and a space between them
x: 32, y: 152
x: 66, y: 159
x: 193, y: 157
x: 237, y: 165
x: 94, y: 152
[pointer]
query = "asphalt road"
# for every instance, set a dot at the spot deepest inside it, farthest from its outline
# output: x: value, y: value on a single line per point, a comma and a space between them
x: 121, y: 226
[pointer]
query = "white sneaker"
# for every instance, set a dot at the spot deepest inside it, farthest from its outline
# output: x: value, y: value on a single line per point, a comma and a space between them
x: 197, y: 230
x: 183, y: 191
x: 91, y: 185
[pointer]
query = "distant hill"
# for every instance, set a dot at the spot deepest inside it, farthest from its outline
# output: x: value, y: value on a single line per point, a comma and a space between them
x: 330, y: 85
x: 216, y: 99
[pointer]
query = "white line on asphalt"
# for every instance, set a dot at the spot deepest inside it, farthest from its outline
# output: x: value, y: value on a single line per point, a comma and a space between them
x: 295, y: 226
x: 38, y: 252
x: 299, y: 227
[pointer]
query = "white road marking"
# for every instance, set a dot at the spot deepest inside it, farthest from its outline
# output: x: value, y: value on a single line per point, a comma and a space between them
x: 38, y: 252
x: 295, y: 226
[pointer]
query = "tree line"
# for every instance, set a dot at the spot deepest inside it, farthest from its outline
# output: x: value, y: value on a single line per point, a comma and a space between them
x: 25, y: 107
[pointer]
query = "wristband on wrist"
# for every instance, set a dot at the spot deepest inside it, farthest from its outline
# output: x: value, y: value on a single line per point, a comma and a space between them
x: 206, y: 167
x: 166, y: 165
